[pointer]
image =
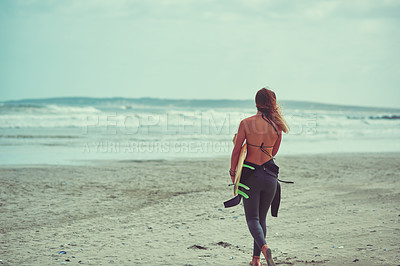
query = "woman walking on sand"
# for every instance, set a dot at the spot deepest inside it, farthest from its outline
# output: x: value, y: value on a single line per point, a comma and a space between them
x: 263, y: 135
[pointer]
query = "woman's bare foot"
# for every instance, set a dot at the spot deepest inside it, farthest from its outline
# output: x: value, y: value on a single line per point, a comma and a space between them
x: 268, y: 256
x: 255, y: 261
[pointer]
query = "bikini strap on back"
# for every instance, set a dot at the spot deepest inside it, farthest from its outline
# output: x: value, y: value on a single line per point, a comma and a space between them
x: 269, y: 122
x: 264, y: 150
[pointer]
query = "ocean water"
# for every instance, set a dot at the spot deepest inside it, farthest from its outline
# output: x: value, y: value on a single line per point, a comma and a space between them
x: 77, y: 130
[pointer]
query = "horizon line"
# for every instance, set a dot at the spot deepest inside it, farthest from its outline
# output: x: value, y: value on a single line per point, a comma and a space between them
x: 193, y: 99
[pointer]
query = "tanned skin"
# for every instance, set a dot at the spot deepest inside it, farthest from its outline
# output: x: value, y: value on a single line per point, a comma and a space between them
x: 255, y: 130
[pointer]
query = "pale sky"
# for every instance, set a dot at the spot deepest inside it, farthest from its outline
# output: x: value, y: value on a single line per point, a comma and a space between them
x: 341, y: 52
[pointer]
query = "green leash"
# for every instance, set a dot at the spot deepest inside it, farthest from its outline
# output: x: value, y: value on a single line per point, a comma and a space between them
x: 241, y: 192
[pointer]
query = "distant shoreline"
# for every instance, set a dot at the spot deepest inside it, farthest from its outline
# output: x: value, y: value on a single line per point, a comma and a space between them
x: 192, y: 102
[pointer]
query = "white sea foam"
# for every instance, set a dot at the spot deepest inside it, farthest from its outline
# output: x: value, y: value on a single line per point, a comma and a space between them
x: 119, y: 124
x: 56, y: 109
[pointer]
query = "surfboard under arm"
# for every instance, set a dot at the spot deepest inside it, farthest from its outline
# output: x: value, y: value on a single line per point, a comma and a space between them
x: 239, y: 166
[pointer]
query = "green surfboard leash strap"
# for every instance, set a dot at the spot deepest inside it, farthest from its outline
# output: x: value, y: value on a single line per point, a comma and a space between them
x: 243, y: 186
x: 243, y: 194
x: 248, y: 166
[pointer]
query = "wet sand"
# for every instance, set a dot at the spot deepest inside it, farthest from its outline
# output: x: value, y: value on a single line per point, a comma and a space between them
x: 342, y: 210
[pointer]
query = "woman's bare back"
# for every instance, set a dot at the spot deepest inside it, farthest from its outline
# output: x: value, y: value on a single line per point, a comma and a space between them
x: 257, y: 131
x: 262, y: 138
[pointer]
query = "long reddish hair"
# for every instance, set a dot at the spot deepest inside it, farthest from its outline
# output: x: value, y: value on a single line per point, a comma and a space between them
x: 266, y: 103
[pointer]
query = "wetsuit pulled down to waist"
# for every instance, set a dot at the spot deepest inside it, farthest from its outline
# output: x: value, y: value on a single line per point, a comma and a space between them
x: 269, y: 167
x: 255, y: 178
x: 262, y: 184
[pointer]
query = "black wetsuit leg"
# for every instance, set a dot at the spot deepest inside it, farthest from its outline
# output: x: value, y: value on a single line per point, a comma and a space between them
x: 262, y: 191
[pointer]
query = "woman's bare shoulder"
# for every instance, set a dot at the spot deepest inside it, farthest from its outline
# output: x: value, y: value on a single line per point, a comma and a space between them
x: 250, y: 118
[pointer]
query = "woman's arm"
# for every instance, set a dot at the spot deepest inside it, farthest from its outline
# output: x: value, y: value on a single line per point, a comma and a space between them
x: 241, y: 136
x: 277, y: 144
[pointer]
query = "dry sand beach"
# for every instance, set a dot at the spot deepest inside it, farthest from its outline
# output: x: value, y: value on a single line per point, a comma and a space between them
x: 342, y: 210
